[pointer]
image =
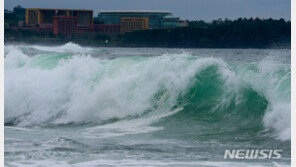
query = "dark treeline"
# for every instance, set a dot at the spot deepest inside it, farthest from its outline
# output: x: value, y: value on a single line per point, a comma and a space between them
x: 11, y: 18
x: 240, y: 33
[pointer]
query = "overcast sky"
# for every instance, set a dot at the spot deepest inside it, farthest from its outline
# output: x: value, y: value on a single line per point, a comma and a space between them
x: 186, y: 9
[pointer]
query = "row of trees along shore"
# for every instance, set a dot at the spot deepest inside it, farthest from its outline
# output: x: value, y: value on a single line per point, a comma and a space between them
x: 239, y: 33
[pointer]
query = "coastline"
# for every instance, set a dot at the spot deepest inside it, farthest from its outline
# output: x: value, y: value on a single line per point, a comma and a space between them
x: 121, y: 45
x: 240, y: 33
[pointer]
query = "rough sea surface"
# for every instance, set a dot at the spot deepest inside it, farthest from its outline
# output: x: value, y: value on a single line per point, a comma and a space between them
x: 80, y: 106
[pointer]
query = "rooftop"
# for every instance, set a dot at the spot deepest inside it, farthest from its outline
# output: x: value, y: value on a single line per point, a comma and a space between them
x: 61, y: 9
x: 170, y: 17
x: 135, y: 11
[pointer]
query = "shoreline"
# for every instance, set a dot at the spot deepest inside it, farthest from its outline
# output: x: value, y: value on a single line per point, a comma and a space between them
x: 118, y: 45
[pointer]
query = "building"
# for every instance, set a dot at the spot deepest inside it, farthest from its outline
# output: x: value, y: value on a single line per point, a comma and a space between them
x: 64, y: 25
x: 45, y: 16
x: 52, y: 20
x: 130, y: 24
x: 107, y: 28
x: 172, y: 22
x: 114, y: 16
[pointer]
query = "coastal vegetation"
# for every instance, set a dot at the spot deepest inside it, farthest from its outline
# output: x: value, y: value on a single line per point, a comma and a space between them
x: 239, y: 33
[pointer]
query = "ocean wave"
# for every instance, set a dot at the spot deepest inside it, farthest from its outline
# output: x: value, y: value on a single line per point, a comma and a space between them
x: 62, y: 88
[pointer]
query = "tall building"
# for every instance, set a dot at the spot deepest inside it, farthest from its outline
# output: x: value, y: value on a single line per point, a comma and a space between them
x: 130, y: 24
x: 45, y: 16
x: 114, y: 16
x: 53, y: 20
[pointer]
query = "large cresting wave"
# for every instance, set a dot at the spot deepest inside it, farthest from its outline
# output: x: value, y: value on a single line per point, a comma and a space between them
x: 58, y: 88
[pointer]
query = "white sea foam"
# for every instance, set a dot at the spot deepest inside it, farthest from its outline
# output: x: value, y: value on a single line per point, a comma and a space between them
x: 68, y: 47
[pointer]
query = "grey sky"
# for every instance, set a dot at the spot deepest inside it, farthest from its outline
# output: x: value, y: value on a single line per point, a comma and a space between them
x: 186, y: 9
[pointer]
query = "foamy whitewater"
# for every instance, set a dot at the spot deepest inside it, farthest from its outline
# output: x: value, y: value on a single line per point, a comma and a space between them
x: 80, y: 106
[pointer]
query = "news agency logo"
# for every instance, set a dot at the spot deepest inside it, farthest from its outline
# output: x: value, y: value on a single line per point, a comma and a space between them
x: 253, y: 154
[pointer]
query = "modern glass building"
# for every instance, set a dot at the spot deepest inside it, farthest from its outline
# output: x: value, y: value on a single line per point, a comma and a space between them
x: 114, y: 16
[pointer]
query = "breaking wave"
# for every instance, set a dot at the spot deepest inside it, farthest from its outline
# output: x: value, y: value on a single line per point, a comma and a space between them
x: 181, y: 89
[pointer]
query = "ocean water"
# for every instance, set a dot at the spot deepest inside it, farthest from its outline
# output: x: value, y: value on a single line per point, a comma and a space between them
x: 80, y: 106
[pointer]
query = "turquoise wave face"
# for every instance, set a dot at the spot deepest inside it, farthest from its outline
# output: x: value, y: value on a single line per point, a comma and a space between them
x: 47, y: 61
x: 211, y: 110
